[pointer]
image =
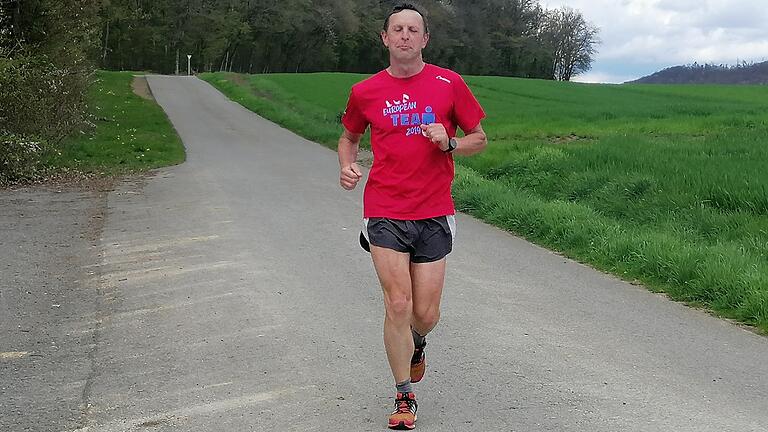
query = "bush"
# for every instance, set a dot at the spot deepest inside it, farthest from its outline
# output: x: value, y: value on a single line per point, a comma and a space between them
x: 40, y: 104
x: 39, y: 98
x: 44, y: 77
x: 21, y: 157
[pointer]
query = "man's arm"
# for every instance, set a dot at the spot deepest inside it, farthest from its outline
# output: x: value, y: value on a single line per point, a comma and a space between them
x: 350, y: 174
x: 472, y: 143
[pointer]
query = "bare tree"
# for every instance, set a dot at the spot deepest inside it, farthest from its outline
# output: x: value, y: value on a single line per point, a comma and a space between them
x: 572, y: 41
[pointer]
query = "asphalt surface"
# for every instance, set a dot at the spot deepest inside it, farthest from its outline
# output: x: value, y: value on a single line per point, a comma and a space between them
x: 229, y: 294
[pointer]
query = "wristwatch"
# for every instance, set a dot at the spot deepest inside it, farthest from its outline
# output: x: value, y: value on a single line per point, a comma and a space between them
x: 452, y: 144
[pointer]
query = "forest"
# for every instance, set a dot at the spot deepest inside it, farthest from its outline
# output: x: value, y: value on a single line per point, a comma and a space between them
x: 740, y: 73
x: 488, y: 37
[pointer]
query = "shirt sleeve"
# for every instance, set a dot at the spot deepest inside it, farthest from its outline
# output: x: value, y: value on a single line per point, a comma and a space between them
x: 353, y: 118
x: 466, y: 109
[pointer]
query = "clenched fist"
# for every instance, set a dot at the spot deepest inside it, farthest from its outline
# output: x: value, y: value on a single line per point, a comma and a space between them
x: 349, y: 176
x: 437, y: 134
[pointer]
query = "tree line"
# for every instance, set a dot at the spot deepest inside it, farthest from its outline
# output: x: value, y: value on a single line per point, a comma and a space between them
x: 481, y: 37
x: 50, y: 48
x: 741, y: 73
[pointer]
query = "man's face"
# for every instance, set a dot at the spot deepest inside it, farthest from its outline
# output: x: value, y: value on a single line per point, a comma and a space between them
x: 405, y: 37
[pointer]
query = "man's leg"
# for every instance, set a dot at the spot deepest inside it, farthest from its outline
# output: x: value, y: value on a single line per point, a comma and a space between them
x: 427, y: 280
x: 393, y: 269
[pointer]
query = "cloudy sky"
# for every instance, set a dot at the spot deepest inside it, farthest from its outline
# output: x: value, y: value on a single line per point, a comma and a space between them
x: 640, y: 37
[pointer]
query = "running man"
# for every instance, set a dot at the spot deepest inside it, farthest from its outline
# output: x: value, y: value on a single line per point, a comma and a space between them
x: 413, y: 109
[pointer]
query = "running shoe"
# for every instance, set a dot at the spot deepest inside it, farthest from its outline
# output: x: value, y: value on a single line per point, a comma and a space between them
x: 418, y: 363
x: 404, y: 415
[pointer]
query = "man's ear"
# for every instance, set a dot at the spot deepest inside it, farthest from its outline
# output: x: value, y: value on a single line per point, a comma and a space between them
x: 426, y: 40
x: 384, y: 38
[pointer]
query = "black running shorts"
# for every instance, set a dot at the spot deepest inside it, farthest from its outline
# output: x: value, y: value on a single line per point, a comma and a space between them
x: 426, y: 240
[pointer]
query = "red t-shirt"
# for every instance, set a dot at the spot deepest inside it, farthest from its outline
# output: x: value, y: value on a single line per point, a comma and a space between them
x: 411, y: 177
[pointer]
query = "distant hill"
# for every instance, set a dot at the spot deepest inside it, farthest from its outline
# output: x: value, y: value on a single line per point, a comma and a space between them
x: 756, y: 73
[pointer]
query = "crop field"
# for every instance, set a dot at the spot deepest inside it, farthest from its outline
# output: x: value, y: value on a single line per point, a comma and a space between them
x: 665, y: 185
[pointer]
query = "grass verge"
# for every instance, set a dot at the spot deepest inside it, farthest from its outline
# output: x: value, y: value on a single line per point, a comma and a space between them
x: 128, y: 134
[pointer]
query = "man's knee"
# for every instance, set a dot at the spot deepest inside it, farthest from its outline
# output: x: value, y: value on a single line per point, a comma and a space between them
x: 399, y: 307
x: 427, y: 317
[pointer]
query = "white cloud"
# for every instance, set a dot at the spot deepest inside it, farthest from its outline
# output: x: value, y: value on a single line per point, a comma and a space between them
x: 674, y: 32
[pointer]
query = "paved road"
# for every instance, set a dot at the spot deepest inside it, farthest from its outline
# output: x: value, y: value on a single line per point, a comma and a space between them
x: 232, y: 297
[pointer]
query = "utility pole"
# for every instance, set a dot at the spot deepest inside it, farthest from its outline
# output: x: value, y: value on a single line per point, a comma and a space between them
x: 177, y: 61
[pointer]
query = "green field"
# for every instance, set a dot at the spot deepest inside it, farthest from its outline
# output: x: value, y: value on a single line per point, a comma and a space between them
x: 128, y: 134
x: 666, y: 185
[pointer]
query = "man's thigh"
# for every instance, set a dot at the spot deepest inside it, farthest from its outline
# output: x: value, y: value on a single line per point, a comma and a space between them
x: 393, y: 269
x: 427, y: 280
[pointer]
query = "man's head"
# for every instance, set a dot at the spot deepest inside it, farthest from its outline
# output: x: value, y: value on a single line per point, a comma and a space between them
x: 402, y: 7
x: 405, y: 32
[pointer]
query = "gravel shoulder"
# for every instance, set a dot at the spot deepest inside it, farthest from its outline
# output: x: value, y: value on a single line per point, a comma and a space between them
x: 141, y: 87
x: 48, y: 307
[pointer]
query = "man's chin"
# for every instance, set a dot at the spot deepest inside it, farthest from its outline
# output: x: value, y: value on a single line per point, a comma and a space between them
x: 404, y: 55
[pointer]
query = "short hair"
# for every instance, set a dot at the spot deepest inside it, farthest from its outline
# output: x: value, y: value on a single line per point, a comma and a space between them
x: 406, y: 6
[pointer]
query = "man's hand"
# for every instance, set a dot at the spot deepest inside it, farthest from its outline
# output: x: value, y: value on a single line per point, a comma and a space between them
x: 437, y: 134
x: 349, y: 176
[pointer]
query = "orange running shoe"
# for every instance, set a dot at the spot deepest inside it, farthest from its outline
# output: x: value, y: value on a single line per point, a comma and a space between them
x: 404, y: 415
x: 418, y: 363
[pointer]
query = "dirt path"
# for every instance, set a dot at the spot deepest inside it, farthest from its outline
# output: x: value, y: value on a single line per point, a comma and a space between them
x: 141, y: 88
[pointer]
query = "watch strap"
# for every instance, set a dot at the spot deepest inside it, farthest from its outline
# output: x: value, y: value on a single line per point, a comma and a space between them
x: 452, y: 144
